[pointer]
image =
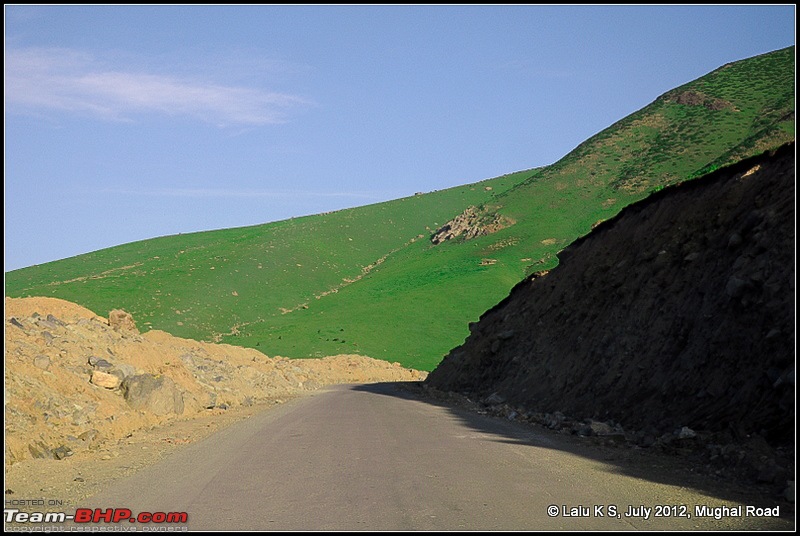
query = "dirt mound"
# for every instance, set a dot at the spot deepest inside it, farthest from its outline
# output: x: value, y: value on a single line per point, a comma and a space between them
x: 674, y: 320
x: 73, y: 381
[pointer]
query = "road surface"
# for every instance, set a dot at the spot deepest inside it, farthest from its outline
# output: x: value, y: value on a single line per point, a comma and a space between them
x: 376, y: 458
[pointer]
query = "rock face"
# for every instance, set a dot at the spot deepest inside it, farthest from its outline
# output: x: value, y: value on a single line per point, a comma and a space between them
x: 679, y: 312
x: 471, y: 223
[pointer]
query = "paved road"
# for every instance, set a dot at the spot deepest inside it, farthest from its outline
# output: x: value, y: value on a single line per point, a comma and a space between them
x: 374, y: 458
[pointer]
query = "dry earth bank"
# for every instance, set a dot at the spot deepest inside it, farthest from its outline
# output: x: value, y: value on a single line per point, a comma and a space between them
x: 89, y: 399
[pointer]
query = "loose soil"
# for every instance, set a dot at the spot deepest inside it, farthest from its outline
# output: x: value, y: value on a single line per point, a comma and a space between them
x: 66, y: 434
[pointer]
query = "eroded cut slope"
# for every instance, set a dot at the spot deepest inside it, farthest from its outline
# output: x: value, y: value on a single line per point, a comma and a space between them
x: 677, y: 313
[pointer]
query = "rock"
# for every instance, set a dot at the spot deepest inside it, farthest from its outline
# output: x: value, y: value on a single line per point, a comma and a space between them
x: 42, y: 362
x: 79, y: 417
x: 696, y: 98
x: 102, y: 364
x: 554, y: 420
x: 773, y: 333
x: 686, y: 433
x: 157, y: 394
x: 210, y: 400
x: 689, y: 98
x: 123, y: 370
x: 505, y: 335
x: 46, y: 324
x: 752, y: 220
x: 56, y: 321
x: 89, y: 435
x: 312, y: 385
x: 666, y: 439
x: 104, y: 379
x: 471, y: 223
x: 16, y: 322
x: 59, y: 453
x: 40, y: 450
x: 599, y: 428
x: 774, y: 375
x: 493, y: 399
x: 736, y: 287
x: 121, y: 321
x: 717, y: 387
x: 691, y: 256
x: 647, y: 440
x: 770, y: 472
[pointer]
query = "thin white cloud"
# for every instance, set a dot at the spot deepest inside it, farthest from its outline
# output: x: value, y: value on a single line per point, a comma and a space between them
x: 50, y: 79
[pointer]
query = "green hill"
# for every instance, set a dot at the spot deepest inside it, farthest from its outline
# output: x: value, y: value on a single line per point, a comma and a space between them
x: 371, y: 280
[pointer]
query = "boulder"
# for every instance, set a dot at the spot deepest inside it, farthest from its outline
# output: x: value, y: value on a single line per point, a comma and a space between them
x: 89, y: 435
x: 494, y: 399
x: 123, y: 370
x: 40, y: 450
x: 41, y: 361
x: 59, y: 453
x: 157, y: 394
x: 599, y: 428
x: 121, y: 321
x: 104, y: 379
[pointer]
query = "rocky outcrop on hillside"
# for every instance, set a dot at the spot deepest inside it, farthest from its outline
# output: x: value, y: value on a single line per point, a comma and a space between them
x: 74, y: 380
x: 471, y: 223
x: 696, y: 98
x: 671, y: 324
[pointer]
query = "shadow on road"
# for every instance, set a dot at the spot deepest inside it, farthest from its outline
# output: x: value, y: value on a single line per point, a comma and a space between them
x: 678, y: 470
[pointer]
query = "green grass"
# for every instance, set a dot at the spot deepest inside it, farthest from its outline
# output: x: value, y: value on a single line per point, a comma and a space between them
x: 369, y: 281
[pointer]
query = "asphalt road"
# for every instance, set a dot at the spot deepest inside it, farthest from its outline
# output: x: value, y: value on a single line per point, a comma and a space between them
x: 376, y: 458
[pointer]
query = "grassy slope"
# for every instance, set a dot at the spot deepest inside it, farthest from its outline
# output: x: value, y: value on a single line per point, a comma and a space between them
x: 368, y: 280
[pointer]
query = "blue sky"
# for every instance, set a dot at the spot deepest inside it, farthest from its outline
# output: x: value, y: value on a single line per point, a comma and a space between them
x: 130, y: 122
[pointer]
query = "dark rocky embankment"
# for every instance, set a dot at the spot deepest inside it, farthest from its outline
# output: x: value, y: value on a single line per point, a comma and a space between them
x: 672, y: 323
